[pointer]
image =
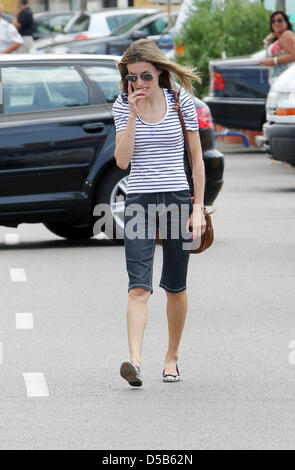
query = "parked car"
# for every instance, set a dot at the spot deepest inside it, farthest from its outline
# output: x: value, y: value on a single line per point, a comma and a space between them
x: 149, y: 26
x: 279, y: 130
x: 238, y: 91
x: 57, y: 143
x: 85, y: 25
x: 49, y: 23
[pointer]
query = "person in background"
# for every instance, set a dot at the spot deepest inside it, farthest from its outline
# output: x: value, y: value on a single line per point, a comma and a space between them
x: 279, y: 44
x: 24, y: 23
x: 10, y: 39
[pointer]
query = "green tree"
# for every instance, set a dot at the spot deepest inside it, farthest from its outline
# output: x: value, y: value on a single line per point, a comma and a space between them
x: 236, y: 27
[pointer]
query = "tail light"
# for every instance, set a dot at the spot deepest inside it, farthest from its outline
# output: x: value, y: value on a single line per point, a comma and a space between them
x: 217, y: 81
x: 285, y: 111
x: 204, y: 117
x: 179, y: 49
x: 81, y: 36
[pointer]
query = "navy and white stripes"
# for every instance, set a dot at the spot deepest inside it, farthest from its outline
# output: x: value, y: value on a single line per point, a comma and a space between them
x: 157, y: 162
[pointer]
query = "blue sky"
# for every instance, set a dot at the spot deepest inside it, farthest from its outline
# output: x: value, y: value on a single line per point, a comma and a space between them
x: 290, y: 4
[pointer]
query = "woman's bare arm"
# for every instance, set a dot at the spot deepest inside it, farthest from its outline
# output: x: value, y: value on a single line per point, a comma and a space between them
x: 197, y: 219
x: 12, y: 47
x: 287, y: 41
x: 125, y: 144
x: 125, y: 139
x: 198, y: 170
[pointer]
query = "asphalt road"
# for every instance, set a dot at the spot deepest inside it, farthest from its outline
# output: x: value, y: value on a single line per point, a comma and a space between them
x: 236, y: 359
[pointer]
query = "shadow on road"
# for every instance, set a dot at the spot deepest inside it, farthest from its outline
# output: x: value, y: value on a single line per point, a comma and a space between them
x: 37, y: 245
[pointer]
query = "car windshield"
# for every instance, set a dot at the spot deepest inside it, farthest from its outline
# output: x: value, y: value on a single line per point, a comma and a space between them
x: 129, y: 25
x: 54, y: 24
x: 115, y: 22
x: 77, y: 25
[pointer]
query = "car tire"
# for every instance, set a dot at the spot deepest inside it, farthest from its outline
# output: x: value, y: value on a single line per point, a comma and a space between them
x: 111, y: 191
x: 71, y: 232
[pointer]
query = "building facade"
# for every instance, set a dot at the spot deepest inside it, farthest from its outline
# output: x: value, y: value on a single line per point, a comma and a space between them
x: 90, y: 5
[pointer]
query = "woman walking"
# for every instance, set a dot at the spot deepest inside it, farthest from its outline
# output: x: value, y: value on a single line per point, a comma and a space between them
x: 279, y: 44
x: 149, y: 135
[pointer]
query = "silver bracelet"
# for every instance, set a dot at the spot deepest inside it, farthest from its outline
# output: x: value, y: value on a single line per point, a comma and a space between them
x: 275, y: 60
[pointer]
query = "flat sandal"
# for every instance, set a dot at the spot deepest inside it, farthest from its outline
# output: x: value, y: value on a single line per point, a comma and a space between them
x: 170, y: 377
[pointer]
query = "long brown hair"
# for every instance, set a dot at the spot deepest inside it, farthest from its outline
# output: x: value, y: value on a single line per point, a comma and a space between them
x: 144, y: 50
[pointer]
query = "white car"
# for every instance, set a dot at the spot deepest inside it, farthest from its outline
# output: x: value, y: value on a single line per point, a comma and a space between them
x: 279, y: 130
x: 85, y: 25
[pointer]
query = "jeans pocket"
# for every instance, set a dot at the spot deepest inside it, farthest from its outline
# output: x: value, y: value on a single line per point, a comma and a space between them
x: 182, y: 196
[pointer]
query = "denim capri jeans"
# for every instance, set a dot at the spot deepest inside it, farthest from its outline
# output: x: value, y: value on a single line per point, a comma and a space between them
x: 144, y: 214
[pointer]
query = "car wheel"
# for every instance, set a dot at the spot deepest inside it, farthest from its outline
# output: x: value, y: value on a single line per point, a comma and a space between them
x: 71, y: 232
x: 111, y: 191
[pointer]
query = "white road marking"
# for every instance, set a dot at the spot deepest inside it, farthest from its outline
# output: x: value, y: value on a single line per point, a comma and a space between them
x: 11, y: 238
x: 18, y: 275
x: 35, y: 384
x: 24, y: 321
x: 101, y: 236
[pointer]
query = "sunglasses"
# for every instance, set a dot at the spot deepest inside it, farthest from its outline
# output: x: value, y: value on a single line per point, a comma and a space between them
x: 146, y: 77
x: 277, y: 20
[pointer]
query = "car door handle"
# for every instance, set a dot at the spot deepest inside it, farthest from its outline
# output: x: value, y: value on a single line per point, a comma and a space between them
x: 93, y: 127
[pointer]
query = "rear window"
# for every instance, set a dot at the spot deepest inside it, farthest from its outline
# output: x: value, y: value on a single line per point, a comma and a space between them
x: 156, y: 27
x: 106, y: 79
x: 127, y: 26
x: 54, y: 24
x: 28, y: 89
x: 81, y: 24
x: 116, y: 21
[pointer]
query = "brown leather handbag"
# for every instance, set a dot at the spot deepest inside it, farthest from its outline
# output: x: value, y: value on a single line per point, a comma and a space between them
x: 208, y: 236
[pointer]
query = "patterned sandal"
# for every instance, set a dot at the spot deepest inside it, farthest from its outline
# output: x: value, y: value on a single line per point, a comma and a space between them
x: 171, y: 377
x: 132, y: 373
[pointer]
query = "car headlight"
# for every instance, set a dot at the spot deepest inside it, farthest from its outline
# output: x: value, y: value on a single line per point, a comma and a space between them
x: 285, y: 104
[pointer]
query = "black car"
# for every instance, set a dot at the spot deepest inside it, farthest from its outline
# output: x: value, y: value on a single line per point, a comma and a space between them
x: 238, y: 91
x: 57, y: 142
x: 149, y: 26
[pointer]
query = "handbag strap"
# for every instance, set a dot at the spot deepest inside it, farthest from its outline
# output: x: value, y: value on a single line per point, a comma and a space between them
x: 178, y: 108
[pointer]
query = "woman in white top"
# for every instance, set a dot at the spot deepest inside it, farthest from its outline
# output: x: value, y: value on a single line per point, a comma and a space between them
x: 149, y: 136
x: 10, y: 39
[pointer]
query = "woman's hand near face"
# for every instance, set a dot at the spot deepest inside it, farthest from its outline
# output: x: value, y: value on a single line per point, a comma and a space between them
x: 267, y: 62
x: 133, y: 98
x: 270, y: 37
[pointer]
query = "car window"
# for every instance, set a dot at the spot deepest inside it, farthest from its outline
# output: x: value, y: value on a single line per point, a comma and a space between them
x: 106, y: 79
x: 116, y: 21
x: 81, y: 24
x: 128, y: 26
x: 155, y: 27
x: 54, y: 24
x: 28, y: 89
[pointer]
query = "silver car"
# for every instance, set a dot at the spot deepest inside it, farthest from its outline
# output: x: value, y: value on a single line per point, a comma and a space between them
x: 86, y: 25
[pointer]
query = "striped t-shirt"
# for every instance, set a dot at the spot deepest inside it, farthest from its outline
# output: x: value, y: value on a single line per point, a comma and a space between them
x: 157, y: 164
